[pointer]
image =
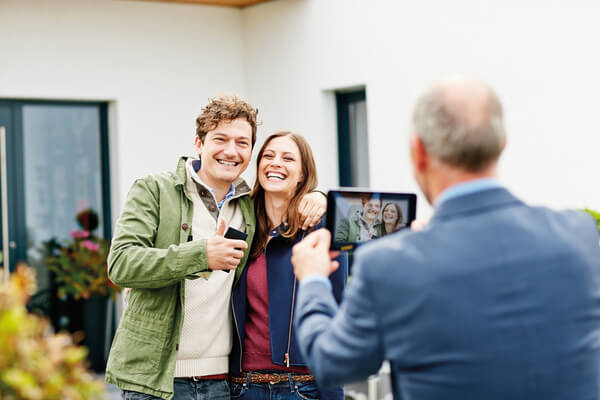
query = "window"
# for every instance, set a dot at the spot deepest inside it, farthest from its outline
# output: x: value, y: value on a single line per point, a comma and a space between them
x: 56, y: 165
x: 353, y: 140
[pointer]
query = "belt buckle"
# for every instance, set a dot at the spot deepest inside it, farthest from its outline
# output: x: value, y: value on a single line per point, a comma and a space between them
x: 195, y: 379
x: 273, y: 381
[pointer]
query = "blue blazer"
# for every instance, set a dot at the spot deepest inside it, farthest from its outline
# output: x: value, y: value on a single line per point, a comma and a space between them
x: 494, y: 300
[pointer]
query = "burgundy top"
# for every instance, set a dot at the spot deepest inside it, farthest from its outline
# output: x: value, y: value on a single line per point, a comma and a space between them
x: 257, y: 343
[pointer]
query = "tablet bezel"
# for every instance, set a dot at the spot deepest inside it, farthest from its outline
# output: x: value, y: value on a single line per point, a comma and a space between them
x: 330, y: 222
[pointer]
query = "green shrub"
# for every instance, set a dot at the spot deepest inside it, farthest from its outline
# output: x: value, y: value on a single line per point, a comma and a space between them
x: 79, y: 263
x: 35, y: 364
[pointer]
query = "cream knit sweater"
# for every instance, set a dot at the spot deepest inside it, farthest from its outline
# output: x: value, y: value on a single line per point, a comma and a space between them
x: 206, y: 334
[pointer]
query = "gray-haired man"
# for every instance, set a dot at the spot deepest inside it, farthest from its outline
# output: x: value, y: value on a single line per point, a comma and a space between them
x: 493, y: 300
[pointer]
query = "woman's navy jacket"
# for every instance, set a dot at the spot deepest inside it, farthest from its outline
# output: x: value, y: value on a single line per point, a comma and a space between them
x: 282, y: 287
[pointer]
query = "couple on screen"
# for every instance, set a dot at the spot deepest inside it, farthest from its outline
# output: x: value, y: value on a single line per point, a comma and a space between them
x: 370, y: 221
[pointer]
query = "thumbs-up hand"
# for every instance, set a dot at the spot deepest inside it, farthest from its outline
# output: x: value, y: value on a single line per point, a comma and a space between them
x: 223, y: 253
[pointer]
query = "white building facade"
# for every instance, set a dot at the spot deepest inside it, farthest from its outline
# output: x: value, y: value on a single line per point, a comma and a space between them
x: 156, y: 64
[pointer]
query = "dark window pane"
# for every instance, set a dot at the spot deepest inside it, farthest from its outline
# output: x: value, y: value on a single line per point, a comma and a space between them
x: 359, y: 143
x: 62, y: 171
x: 353, y: 139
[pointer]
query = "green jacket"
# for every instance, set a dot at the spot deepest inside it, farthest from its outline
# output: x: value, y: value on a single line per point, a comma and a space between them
x: 150, y: 253
x: 348, y: 229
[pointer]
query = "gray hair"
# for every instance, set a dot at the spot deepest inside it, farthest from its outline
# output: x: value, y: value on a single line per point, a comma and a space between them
x: 462, y: 126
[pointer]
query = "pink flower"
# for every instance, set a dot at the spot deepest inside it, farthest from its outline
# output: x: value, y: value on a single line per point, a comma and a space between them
x: 79, y: 234
x: 91, y: 246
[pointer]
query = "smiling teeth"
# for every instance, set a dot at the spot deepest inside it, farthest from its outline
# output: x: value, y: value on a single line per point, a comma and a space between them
x: 230, y: 163
x: 275, y: 175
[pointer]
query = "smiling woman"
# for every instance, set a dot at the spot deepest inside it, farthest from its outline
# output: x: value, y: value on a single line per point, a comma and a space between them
x: 280, y: 168
x: 264, y: 298
x: 391, y: 218
x: 286, y: 171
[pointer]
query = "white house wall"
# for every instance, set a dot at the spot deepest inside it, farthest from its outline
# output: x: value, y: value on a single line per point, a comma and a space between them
x: 156, y: 63
x: 543, y: 58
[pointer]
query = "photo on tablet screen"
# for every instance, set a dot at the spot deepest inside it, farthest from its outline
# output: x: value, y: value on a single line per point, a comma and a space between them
x: 355, y: 217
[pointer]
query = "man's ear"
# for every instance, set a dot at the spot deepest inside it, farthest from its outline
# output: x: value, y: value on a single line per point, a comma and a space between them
x: 418, y: 153
x: 198, y: 145
x: 503, y: 144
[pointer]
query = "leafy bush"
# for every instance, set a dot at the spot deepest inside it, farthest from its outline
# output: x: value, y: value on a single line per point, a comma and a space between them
x: 79, y: 263
x: 34, y: 364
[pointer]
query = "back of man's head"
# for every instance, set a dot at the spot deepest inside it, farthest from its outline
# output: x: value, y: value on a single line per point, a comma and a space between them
x: 460, y: 124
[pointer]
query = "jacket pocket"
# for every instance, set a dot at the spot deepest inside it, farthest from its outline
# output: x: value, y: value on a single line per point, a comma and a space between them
x: 138, y: 345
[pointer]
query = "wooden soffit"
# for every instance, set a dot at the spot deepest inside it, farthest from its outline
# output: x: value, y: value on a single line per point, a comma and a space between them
x: 223, y: 3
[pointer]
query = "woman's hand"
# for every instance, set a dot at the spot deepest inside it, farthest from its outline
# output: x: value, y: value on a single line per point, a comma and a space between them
x: 311, y: 208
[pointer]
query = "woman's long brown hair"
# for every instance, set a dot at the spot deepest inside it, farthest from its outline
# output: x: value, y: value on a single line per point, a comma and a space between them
x: 399, y: 221
x: 308, y: 184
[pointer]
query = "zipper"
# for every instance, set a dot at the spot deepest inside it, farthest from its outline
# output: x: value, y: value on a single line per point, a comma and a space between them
x: 287, y: 353
x: 286, y: 357
x: 237, y: 331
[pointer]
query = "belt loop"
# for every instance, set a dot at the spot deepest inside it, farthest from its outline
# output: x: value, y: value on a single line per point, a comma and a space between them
x: 291, y: 382
x: 247, y: 384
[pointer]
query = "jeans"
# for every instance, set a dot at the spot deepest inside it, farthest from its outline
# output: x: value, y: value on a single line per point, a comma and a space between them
x: 188, y: 390
x: 281, y: 391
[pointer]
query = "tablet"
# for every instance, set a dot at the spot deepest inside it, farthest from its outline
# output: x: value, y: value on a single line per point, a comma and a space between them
x: 356, y: 216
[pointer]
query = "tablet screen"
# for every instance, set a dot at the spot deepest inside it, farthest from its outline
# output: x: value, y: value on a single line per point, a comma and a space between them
x: 358, y: 216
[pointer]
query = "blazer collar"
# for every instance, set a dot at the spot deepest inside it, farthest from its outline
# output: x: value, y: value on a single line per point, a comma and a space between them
x: 474, y: 202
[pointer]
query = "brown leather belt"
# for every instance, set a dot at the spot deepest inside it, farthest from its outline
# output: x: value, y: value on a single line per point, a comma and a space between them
x: 271, y: 378
x: 204, y: 378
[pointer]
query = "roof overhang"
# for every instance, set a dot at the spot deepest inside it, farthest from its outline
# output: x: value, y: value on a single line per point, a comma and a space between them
x: 223, y: 3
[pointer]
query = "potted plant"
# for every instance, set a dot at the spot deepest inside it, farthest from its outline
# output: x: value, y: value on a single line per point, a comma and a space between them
x: 34, y: 364
x: 78, y: 265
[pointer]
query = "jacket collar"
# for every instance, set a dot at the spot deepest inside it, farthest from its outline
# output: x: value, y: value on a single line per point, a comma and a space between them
x: 240, y: 185
x: 275, y: 233
x: 180, y: 173
x: 474, y: 202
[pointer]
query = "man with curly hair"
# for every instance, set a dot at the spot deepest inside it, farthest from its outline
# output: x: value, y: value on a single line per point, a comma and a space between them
x: 169, y: 247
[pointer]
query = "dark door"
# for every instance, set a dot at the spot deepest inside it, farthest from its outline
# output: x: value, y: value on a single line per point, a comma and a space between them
x: 54, y: 164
